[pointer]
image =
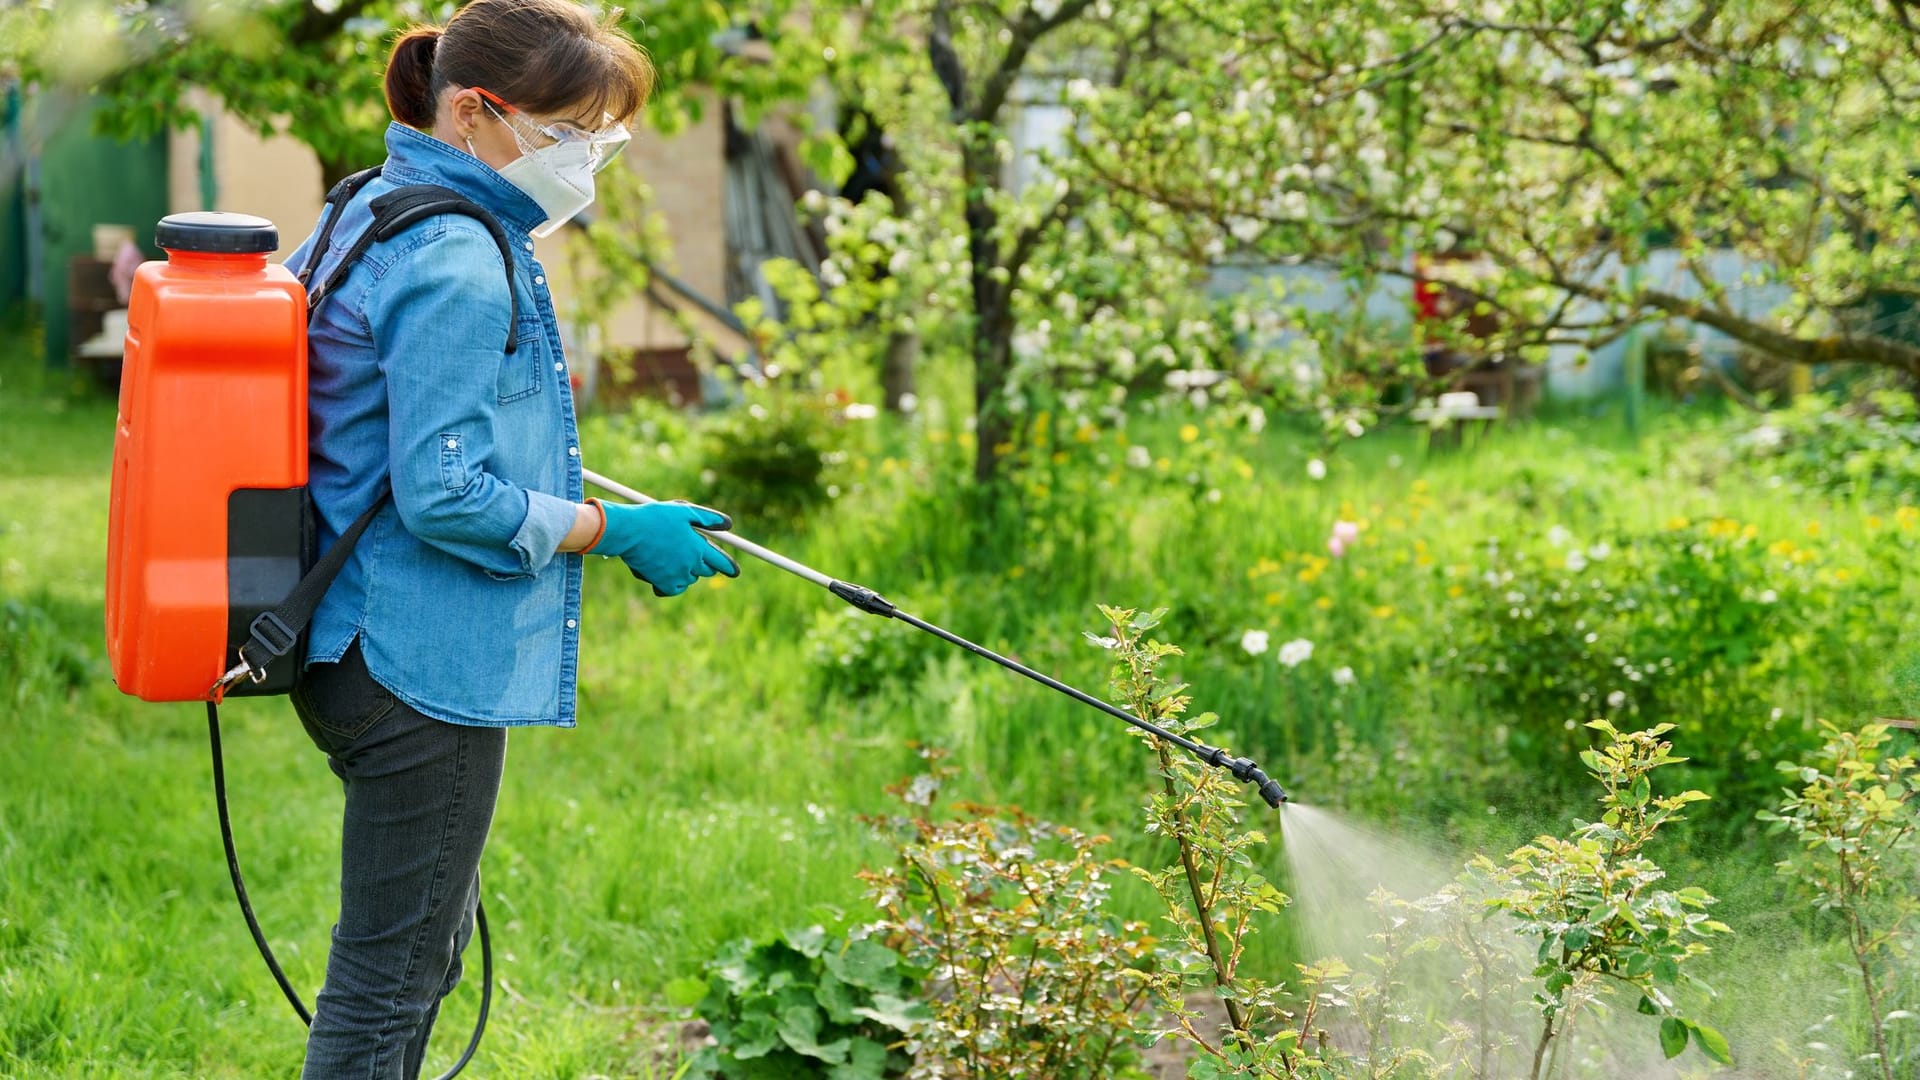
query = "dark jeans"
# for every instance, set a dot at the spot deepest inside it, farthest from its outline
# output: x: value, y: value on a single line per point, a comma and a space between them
x: 419, y: 800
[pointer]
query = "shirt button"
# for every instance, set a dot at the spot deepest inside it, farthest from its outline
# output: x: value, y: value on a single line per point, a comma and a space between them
x: 558, y: 366
x: 529, y: 245
x: 570, y: 624
x: 540, y: 279
x: 573, y: 451
x: 453, y: 444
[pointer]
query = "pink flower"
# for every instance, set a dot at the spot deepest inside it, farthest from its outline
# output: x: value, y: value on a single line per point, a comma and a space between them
x: 1344, y: 533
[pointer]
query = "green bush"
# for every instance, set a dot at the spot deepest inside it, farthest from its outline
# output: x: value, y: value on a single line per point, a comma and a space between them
x: 1697, y: 619
x: 1872, y: 446
x: 808, y: 1004
x: 767, y: 460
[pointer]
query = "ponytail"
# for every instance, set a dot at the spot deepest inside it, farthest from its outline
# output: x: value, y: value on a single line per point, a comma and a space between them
x: 410, y: 96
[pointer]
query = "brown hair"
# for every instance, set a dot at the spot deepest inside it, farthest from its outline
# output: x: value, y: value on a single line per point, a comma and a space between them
x: 544, y: 56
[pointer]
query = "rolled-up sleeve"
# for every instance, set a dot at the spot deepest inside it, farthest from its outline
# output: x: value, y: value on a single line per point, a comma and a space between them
x: 439, y: 323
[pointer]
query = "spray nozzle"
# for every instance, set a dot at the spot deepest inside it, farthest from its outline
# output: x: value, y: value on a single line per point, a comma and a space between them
x: 1245, y: 771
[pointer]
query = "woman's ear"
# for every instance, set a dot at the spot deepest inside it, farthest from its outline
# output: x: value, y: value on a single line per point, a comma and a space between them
x: 465, y: 111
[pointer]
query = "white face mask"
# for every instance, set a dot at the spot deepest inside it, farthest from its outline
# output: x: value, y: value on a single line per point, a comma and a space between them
x: 558, y: 177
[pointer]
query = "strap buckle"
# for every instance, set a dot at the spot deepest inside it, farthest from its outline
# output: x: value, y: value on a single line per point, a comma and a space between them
x: 268, y: 633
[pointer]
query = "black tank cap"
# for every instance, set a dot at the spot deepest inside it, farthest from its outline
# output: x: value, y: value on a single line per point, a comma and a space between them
x: 217, y: 231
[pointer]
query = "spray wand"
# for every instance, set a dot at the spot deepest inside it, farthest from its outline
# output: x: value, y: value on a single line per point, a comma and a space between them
x: 1243, y: 769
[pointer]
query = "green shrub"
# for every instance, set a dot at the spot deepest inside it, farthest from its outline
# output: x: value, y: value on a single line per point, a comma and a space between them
x: 1871, y: 446
x: 808, y: 1004
x: 767, y: 460
x: 1039, y: 977
x: 1698, y: 619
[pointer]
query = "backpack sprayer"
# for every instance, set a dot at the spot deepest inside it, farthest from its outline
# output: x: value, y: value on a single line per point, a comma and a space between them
x: 212, y: 575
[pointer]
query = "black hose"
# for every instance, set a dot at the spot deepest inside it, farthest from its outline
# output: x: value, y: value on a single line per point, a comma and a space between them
x: 260, y: 938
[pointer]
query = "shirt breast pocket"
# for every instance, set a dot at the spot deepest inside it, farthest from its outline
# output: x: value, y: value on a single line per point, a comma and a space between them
x: 522, y: 370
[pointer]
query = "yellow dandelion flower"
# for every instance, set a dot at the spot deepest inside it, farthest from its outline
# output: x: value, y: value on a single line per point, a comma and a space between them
x: 1782, y: 548
x: 1188, y: 433
x: 1456, y: 591
x: 1678, y: 523
x: 1325, y: 603
x: 1085, y: 433
x: 1907, y: 516
x: 1423, y: 559
x: 1750, y: 532
x: 1842, y: 575
x: 1813, y: 528
x: 1384, y: 611
x: 1245, y: 470
x: 1874, y: 522
x: 1419, y: 487
x: 1802, y: 556
x: 1273, y: 599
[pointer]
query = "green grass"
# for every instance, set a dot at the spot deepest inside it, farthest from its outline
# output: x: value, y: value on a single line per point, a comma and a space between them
x: 714, y: 786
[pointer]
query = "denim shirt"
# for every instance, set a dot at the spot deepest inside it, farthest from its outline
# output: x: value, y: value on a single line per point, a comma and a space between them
x: 455, y: 591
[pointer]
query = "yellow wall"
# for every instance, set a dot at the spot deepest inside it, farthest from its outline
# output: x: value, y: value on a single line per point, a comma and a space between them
x: 279, y: 179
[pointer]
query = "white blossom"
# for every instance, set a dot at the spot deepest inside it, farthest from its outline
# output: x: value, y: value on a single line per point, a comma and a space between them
x: 1254, y: 641
x: 1317, y: 469
x: 1343, y: 676
x: 1296, y: 652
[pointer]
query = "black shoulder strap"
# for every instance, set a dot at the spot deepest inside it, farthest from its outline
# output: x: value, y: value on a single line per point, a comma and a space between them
x: 274, y: 633
x: 337, y: 199
x: 398, y: 209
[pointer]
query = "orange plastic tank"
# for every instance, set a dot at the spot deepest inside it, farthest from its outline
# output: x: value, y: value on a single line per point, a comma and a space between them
x: 208, y: 524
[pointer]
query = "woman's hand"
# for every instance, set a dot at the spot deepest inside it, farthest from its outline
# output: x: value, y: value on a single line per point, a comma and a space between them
x: 660, y: 544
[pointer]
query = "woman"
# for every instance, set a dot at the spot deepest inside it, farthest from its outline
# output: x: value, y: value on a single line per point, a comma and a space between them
x: 457, y: 615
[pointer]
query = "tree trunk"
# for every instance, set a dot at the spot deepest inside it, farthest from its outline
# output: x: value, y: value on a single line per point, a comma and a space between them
x: 992, y: 355
x: 992, y: 311
x: 896, y: 371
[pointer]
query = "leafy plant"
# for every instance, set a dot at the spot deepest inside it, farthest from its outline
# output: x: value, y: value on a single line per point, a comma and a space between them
x: 1871, y: 446
x: 808, y: 1004
x: 1853, y: 813
x: 1596, y: 905
x: 1697, y: 618
x: 1036, y: 976
x: 1212, y: 895
x: 769, y: 457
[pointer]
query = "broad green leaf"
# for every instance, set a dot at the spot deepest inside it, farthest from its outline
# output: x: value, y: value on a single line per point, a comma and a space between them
x: 1712, y: 1043
x: 1673, y: 1036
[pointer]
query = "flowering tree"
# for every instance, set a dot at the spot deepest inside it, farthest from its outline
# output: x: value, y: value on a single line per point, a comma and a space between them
x: 1558, y: 143
x: 310, y: 69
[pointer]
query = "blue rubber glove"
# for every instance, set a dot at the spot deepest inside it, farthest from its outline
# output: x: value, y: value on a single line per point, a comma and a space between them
x: 658, y: 543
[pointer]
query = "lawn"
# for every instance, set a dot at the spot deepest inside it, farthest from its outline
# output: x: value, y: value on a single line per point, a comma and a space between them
x: 731, y: 740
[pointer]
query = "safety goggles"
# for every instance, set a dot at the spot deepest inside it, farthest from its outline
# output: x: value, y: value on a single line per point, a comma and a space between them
x: 603, y: 146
